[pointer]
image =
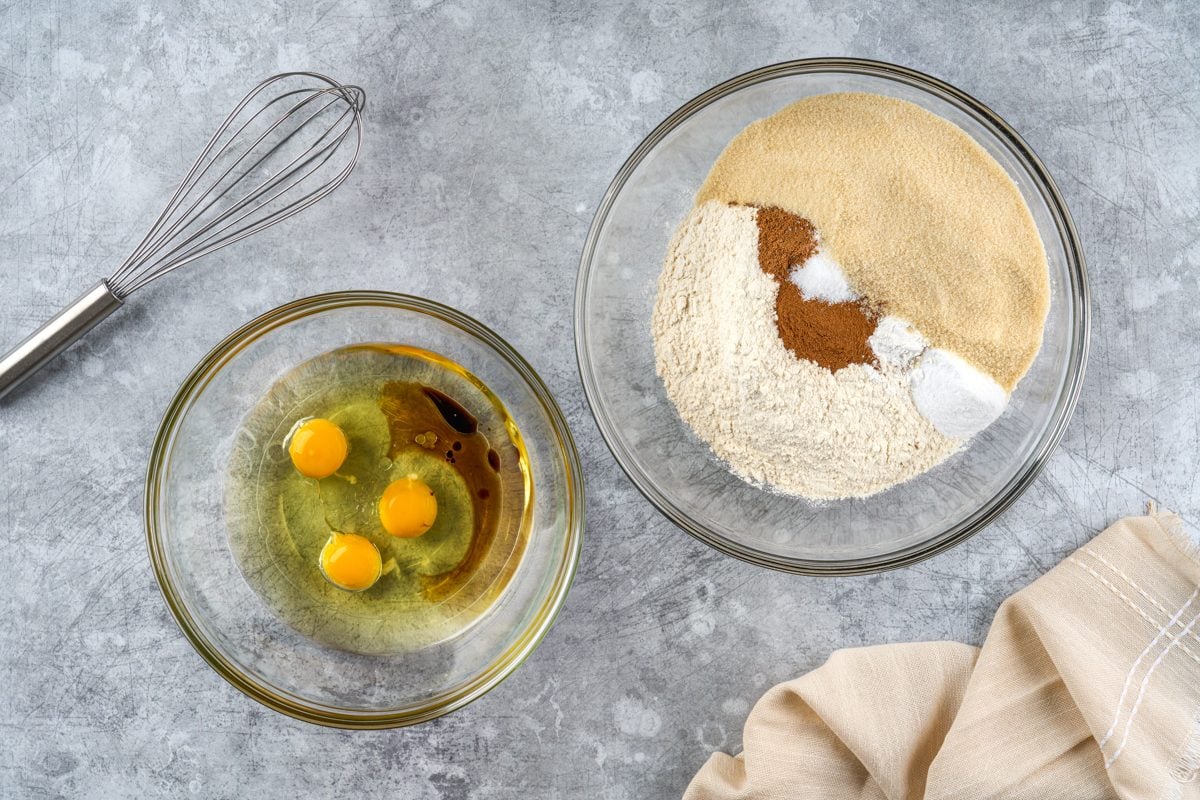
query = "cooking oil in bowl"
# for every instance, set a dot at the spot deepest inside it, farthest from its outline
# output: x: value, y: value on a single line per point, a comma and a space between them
x: 378, y: 498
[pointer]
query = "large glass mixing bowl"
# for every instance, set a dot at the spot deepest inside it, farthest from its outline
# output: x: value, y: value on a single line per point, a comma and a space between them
x: 231, y: 625
x: 622, y: 257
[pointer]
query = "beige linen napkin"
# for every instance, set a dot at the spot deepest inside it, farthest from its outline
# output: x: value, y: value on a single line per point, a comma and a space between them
x: 1088, y: 686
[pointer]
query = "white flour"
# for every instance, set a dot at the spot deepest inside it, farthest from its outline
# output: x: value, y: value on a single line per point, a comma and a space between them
x: 773, y: 418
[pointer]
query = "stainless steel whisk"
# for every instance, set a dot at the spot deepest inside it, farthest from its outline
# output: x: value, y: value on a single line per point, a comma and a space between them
x: 267, y: 161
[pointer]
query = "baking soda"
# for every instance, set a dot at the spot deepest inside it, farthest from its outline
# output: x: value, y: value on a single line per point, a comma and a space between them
x: 958, y: 399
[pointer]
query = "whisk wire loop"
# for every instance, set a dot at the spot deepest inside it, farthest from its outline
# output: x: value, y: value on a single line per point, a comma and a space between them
x: 200, y: 241
x: 206, y: 213
x: 190, y: 215
x: 243, y: 181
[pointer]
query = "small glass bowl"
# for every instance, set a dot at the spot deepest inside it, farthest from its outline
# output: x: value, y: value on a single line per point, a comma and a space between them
x: 678, y: 473
x: 229, y: 624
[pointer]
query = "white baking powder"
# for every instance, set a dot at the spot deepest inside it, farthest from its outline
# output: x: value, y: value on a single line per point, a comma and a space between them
x: 896, y: 342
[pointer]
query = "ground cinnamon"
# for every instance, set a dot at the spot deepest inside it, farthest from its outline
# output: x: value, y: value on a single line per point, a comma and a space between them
x: 833, y: 335
x: 784, y: 240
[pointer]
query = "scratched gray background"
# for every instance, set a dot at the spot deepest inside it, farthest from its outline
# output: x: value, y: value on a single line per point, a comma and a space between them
x: 493, y: 132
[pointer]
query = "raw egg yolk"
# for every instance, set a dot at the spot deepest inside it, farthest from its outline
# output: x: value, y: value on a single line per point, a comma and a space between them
x: 351, y: 562
x: 318, y: 447
x: 408, y: 507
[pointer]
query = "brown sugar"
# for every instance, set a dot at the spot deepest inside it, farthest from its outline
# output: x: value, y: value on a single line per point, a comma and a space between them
x: 919, y: 216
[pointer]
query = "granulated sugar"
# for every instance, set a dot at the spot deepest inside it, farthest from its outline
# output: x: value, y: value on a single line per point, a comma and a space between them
x: 820, y: 278
x: 775, y: 419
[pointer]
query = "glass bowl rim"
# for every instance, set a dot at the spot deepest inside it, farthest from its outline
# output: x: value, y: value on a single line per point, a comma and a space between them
x: 1080, y: 304
x: 290, y: 703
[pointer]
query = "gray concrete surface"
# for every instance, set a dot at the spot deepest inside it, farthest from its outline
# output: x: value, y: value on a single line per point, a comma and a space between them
x: 493, y: 132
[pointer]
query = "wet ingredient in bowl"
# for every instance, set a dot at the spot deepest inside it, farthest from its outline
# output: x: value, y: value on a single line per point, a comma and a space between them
x: 420, y: 528
x: 317, y: 447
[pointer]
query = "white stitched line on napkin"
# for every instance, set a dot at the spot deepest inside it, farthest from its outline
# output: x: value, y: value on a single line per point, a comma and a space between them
x: 1117, y: 571
x: 1146, y: 682
x: 1140, y: 611
x: 1162, y: 631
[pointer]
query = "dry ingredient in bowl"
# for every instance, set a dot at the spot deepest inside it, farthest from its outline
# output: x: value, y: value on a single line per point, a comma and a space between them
x: 776, y: 419
x: 919, y: 216
x: 831, y: 327
x: 855, y: 294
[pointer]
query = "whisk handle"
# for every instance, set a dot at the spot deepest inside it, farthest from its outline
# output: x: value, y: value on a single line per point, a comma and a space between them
x: 56, y: 335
